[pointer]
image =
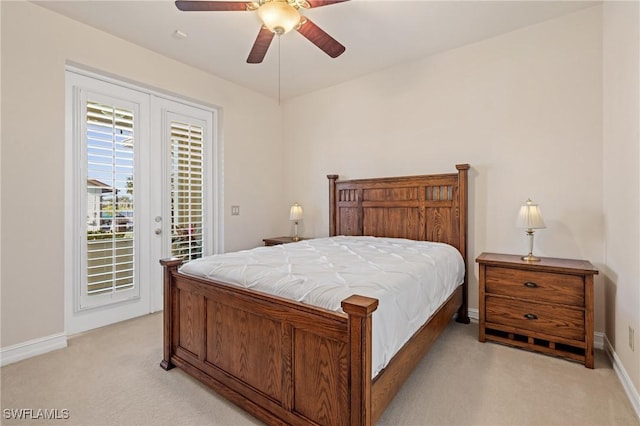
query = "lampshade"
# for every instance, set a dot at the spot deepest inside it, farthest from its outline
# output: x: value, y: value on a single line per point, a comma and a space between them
x: 295, y: 213
x: 278, y: 16
x: 530, y: 217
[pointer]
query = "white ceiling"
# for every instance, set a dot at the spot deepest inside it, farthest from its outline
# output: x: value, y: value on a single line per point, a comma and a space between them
x: 377, y: 34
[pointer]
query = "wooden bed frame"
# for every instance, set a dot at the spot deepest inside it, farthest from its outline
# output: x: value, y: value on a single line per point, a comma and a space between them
x: 289, y: 363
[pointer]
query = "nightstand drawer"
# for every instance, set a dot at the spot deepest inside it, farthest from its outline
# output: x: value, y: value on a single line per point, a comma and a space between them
x: 537, y: 317
x: 535, y: 285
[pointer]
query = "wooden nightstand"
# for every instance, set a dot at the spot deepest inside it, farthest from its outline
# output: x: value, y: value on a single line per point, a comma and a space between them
x: 279, y: 240
x: 545, y: 306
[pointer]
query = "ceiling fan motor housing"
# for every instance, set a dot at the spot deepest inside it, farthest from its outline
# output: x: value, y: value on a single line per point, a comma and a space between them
x: 279, y: 16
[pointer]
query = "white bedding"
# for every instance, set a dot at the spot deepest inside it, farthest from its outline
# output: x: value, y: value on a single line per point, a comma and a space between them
x: 411, y: 279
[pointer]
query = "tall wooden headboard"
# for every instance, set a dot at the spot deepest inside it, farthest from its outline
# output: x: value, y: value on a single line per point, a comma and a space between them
x: 424, y: 208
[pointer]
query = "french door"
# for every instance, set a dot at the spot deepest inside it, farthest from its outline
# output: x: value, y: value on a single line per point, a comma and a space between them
x: 189, y: 225
x: 139, y: 187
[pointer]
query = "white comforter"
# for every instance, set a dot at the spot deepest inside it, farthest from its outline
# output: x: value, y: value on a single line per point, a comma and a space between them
x: 411, y: 279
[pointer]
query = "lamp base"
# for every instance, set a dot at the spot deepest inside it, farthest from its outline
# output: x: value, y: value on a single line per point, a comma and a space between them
x: 295, y: 237
x: 530, y: 258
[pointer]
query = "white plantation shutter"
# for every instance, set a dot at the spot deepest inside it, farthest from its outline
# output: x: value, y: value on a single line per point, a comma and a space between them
x: 187, y: 202
x: 110, y: 194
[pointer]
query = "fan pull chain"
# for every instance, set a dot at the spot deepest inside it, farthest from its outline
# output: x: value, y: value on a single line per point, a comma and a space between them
x: 278, y: 69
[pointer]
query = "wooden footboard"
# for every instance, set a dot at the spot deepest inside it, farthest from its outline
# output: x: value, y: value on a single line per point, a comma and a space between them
x: 283, y: 362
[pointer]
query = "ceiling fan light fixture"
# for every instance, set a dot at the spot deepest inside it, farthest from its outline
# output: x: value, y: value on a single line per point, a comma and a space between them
x: 278, y: 16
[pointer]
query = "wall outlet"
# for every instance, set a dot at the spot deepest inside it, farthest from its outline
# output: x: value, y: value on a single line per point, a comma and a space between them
x: 235, y: 210
x: 632, y: 339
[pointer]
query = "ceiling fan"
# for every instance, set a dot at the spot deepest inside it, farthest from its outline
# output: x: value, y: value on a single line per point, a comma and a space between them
x: 278, y: 17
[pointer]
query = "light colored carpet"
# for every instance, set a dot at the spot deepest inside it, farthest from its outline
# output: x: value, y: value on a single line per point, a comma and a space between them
x: 111, y: 376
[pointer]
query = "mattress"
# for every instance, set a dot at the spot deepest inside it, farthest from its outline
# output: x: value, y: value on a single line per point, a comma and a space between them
x: 410, y: 279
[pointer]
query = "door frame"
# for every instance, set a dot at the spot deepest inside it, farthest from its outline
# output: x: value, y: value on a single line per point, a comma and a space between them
x: 75, y: 323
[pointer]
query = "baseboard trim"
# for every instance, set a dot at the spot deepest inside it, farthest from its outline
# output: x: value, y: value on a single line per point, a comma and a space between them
x: 598, y: 340
x: 474, y: 314
x: 32, y: 348
x: 627, y: 384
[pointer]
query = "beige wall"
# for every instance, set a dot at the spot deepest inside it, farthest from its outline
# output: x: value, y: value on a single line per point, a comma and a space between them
x: 35, y: 45
x: 621, y: 201
x: 524, y: 109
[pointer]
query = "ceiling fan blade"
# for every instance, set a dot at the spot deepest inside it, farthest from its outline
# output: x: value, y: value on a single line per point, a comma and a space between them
x: 318, y: 3
x: 260, y: 46
x: 324, y: 41
x: 210, y: 6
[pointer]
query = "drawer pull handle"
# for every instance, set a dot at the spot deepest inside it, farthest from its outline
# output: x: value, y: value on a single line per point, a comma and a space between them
x: 530, y: 284
x: 531, y: 316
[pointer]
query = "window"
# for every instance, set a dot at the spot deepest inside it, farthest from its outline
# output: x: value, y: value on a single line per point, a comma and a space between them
x: 110, y: 191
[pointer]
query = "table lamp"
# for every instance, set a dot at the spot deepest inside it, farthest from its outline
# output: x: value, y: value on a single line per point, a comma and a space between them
x: 530, y: 218
x: 295, y: 215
